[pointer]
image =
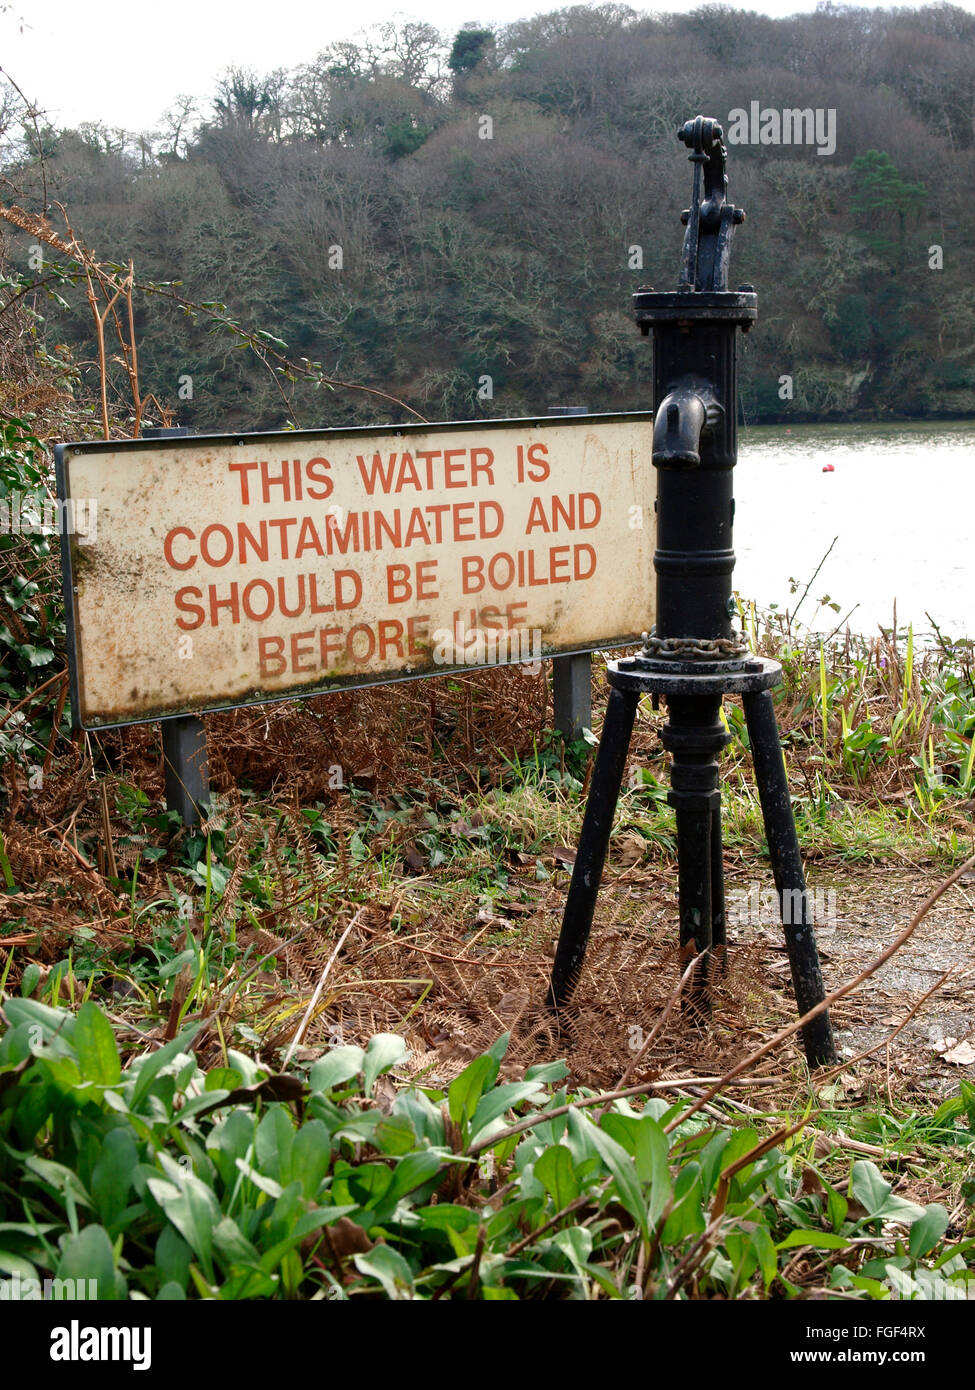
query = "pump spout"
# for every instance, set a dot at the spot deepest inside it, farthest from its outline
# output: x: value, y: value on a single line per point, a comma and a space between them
x: 680, y: 420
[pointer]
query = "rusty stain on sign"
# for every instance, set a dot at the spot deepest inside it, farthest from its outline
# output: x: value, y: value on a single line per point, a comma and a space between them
x: 224, y: 571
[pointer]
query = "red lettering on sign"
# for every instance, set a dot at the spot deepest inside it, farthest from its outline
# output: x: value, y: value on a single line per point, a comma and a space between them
x: 400, y: 586
x: 260, y: 586
x: 270, y: 649
x: 487, y: 466
x: 528, y: 568
x: 171, y: 560
x: 297, y: 651
x: 326, y: 645
x: 316, y: 471
x: 184, y: 606
x: 390, y: 635
x: 361, y: 659
x: 243, y: 469
x: 207, y: 553
x: 416, y: 633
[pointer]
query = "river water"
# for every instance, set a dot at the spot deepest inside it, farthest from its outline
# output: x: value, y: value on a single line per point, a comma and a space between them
x: 899, y: 502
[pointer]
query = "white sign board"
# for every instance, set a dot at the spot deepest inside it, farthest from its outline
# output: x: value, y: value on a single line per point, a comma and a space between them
x: 207, y: 572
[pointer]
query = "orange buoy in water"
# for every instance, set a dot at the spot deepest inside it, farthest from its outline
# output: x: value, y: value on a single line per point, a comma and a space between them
x: 828, y: 468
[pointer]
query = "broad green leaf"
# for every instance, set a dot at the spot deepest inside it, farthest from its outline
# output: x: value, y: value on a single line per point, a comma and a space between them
x: 365, y: 1185
x: 643, y: 1137
x: 555, y: 1170
x: 620, y: 1164
x: 223, y: 1079
x: 173, y: 1257
x: 548, y: 1072
x: 151, y: 1066
x: 446, y: 1215
x: 502, y: 1098
x: 954, y: 1252
x: 836, y: 1208
x: 498, y: 1048
x: 30, y: 979
x: 63, y: 1179
x: 465, y: 1091
x: 232, y: 1245
x: 174, y: 966
x: 230, y: 1139
x: 765, y: 1250
x: 928, y: 1230
x: 339, y: 1064
x: 395, y: 1135
x: 193, y: 1210
x: 687, y: 1216
x: 576, y: 1244
x: 390, y: 1268
x: 273, y: 1140
x: 869, y: 1187
x: 260, y: 1180
x: 384, y: 1051
x: 17, y: 1264
x: 87, y: 1260
x: 421, y: 1113
x: 310, y: 1157
x: 819, y: 1240
x: 874, y: 1193
x: 111, y: 1176
x: 413, y: 1171
x: 52, y: 1021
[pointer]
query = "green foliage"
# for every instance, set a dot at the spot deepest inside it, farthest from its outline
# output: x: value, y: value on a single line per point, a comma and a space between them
x: 31, y: 611
x: 882, y: 196
x: 469, y: 48
x: 159, y: 1180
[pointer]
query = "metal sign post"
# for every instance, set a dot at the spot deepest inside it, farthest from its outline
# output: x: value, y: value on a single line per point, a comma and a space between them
x: 693, y: 657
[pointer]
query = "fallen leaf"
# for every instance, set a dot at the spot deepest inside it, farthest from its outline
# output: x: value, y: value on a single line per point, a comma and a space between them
x: 829, y: 1095
x: 963, y: 1055
x: 344, y: 1238
x: 630, y: 850
x: 414, y: 859
x: 811, y: 1184
x: 566, y: 857
x: 517, y: 856
x: 485, y: 914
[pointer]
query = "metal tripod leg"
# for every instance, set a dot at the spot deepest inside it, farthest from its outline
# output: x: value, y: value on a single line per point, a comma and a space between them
x: 597, y: 823
x: 790, y: 881
x: 695, y: 905
x: 718, y: 935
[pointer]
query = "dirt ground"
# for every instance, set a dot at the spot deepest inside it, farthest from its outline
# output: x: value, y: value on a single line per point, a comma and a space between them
x: 452, y: 993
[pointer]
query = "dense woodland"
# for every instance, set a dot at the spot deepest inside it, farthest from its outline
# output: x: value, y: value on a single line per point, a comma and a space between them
x: 361, y: 209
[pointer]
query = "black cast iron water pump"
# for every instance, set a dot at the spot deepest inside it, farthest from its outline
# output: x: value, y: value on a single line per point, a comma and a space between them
x: 693, y: 657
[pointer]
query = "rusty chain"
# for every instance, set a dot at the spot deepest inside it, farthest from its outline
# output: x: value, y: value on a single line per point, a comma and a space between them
x: 715, y: 647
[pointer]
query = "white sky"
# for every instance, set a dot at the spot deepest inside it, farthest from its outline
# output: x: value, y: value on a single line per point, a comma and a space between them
x: 123, y: 62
